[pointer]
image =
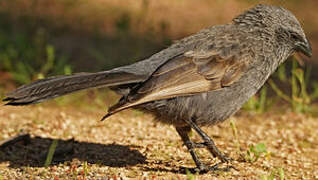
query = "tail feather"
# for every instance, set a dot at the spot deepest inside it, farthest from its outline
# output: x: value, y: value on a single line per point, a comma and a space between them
x: 52, y: 87
x: 121, y: 105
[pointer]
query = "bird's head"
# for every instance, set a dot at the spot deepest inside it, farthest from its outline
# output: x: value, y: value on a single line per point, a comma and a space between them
x: 286, y: 28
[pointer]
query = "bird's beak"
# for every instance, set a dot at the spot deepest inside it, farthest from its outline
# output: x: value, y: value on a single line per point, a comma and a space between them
x: 304, y: 47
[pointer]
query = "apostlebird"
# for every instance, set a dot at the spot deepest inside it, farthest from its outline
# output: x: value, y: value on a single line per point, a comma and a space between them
x: 198, y: 81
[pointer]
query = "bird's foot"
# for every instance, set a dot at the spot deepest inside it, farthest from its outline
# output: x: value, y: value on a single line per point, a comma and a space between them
x: 201, y: 169
x: 196, y: 145
x: 204, y: 168
x: 218, y: 154
x: 223, y: 158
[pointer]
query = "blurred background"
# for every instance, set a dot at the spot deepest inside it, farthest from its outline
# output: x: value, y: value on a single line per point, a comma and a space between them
x: 43, y: 38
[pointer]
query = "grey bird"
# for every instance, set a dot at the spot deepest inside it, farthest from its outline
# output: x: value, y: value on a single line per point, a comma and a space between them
x: 198, y: 81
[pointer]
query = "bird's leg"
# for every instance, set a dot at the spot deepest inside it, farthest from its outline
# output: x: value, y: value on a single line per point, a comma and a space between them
x: 208, y: 142
x: 183, y: 132
x: 199, y: 145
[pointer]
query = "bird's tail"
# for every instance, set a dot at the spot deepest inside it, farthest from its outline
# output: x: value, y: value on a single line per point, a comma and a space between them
x: 53, y: 87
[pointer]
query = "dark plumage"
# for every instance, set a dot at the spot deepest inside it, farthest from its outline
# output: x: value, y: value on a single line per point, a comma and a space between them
x: 200, y: 80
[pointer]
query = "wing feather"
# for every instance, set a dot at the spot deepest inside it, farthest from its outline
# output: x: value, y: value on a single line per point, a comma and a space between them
x: 188, y: 74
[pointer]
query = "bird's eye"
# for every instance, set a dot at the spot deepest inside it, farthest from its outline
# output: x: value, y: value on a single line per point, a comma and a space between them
x: 295, y: 36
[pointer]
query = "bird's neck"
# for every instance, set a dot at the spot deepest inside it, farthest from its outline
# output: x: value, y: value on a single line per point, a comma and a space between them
x: 269, y: 57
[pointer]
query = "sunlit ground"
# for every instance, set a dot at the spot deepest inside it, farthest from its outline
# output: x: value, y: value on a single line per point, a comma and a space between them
x: 130, y: 144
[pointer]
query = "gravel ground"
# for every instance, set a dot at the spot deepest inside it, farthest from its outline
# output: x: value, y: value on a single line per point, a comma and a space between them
x: 132, y: 145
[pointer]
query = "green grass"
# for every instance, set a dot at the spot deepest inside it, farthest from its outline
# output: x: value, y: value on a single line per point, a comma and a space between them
x: 277, y: 173
x: 258, y: 103
x: 26, y: 52
x: 299, y: 99
x: 235, y: 134
x: 190, y: 176
x: 50, y: 154
x: 291, y: 84
x: 255, y: 152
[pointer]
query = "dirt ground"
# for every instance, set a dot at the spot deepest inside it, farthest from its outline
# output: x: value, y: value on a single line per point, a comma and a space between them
x: 132, y: 145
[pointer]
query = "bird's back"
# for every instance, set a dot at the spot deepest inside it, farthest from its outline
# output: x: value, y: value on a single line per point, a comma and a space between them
x: 209, y: 108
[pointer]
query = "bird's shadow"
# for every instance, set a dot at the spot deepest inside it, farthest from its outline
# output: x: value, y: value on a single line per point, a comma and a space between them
x: 24, y: 150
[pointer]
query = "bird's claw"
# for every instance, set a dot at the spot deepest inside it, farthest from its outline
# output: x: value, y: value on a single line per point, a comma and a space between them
x: 224, y: 159
x: 201, y: 169
x: 196, y: 145
x: 204, y: 168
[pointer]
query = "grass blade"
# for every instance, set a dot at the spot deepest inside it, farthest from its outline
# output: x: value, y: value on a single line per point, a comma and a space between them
x: 50, y: 154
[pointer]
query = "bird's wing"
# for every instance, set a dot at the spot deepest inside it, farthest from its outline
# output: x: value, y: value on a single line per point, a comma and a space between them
x: 187, y: 74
